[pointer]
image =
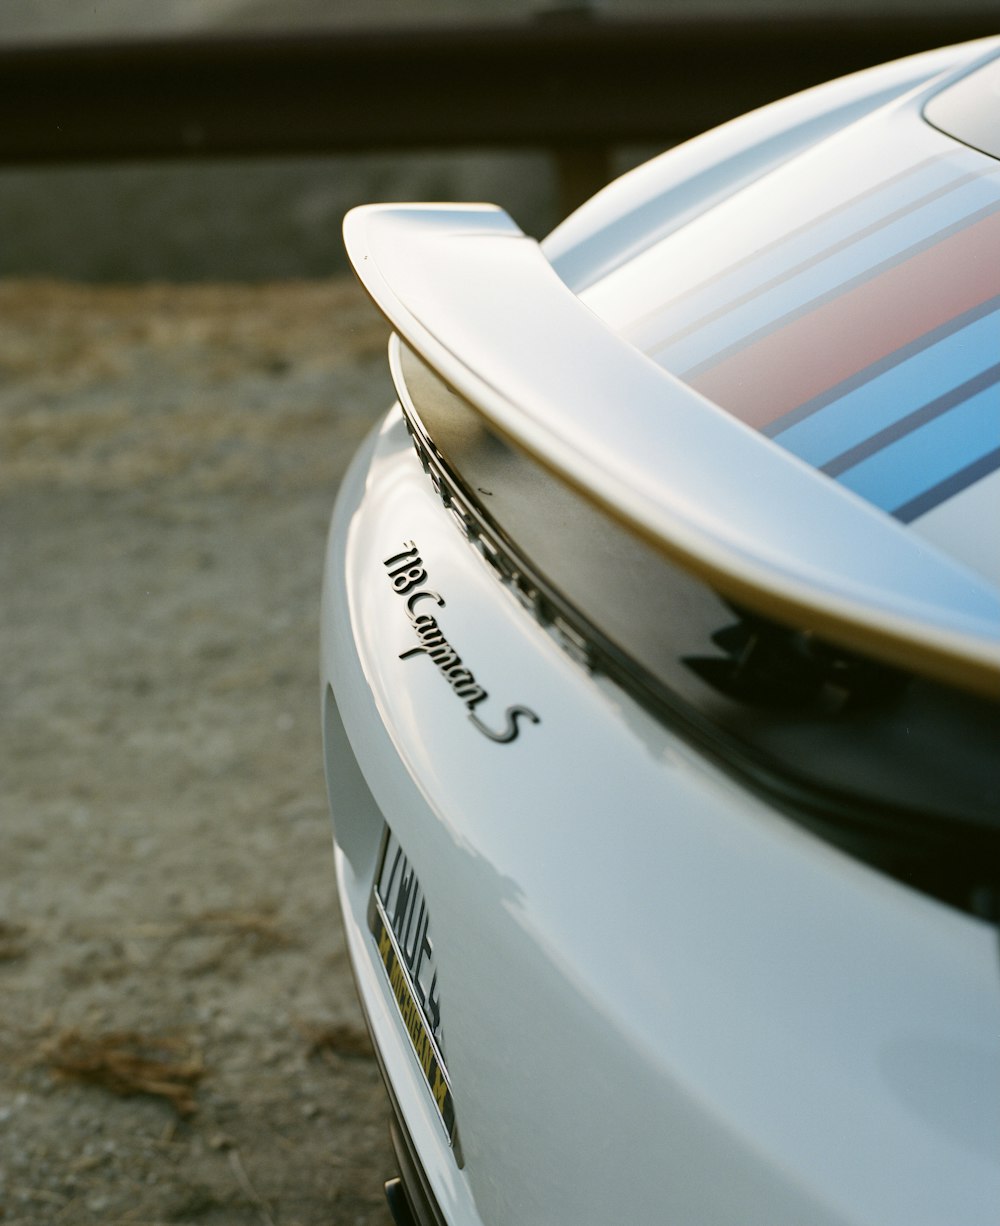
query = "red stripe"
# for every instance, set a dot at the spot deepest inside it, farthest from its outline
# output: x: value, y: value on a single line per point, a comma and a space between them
x: 819, y: 349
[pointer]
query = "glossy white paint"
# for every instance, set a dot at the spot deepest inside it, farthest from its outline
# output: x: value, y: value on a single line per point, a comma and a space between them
x: 645, y: 298
x: 979, y: 504
x: 815, y: 183
x: 659, y: 197
x: 662, y: 1001
x: 500, y: 327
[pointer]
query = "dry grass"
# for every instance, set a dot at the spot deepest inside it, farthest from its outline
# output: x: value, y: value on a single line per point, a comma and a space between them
x: 12, y: 945
x: 170, y: 456
x: 331, y: 1042
x: 215, y: 387
x: 238, y: 935
x: 127, y: 1063
x: 259, y: 929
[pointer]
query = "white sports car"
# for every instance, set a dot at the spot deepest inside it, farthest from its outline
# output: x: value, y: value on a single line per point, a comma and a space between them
x: 661, y: 674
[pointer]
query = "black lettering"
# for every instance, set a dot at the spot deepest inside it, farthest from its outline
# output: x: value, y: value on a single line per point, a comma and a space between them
x: 419, y: 957
x: 398, y: 557
x: 410, y: 952
x: 444, y: 656
x: 509, y: 733
x: 434, y: 1007
x: 424, y: 950
x: 402, y: 901
x: 395, y: 864
x: 406, y: 573
x: 424, y: 595
x: 405, y: 936
x: 407, y: 577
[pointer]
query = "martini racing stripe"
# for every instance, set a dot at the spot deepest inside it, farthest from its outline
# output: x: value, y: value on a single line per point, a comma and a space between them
x: 985, y: 381
x: 827, y: 275
x: 860, y: 410
x: 954, y: 442
x: 862, y: 214
x: 955, y: 484
x: 873, y: 319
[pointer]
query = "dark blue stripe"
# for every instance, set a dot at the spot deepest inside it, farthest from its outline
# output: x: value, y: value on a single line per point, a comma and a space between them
x: 913, y: 421
x: 795, y: 253
x: 925, y: 458
x: 883, y: 366
x: 690, y: 374
x: 948, y: 488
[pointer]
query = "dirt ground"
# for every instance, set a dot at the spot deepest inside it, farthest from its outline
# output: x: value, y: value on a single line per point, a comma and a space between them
x: 179, y: 1036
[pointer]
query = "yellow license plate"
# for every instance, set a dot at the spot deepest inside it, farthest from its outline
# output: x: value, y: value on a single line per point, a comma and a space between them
x: 400, y: 924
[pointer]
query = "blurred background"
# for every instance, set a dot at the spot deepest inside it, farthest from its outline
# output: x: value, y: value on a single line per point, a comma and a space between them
x: 186, y: 368
x: 264, y: 216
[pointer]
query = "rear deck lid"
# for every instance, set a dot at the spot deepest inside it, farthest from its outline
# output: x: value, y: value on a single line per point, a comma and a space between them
x: 847, y: 306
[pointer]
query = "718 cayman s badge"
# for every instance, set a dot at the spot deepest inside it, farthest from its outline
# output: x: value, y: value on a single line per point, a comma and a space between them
x: 407, y: 573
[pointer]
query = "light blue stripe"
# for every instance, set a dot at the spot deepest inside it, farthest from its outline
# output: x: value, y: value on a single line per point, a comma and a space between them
x: 893, y: 395
x: 919, y: 461
x: 829, y: 274
x: 775, y: 261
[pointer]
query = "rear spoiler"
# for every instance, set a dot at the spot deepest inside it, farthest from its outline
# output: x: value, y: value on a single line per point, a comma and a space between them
x: 477, y: 299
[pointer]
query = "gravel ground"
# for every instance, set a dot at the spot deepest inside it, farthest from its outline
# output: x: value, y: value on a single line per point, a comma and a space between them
x: 179, y: 1036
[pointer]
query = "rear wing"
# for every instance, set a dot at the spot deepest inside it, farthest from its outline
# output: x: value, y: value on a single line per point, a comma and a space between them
x: 477, y: 299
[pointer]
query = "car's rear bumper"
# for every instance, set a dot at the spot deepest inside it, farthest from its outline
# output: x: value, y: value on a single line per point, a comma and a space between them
x: 411, y: 1200
x: 661, y: 1000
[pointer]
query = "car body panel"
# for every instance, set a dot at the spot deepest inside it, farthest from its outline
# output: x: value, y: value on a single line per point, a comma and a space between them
x: 846, y: 305
x: 613, y: 1051
x: 658, y: 197
x: 663, y: 997
x: 505, y: 332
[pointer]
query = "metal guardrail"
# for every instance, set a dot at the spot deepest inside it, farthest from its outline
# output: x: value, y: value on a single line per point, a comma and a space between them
x: 569, y: 81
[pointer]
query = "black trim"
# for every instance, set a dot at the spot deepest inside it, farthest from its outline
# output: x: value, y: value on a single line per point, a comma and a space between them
x: 419, y: 1199
x: 417, y: 1195
x: 839, y: 743
x: 399, y: 1206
